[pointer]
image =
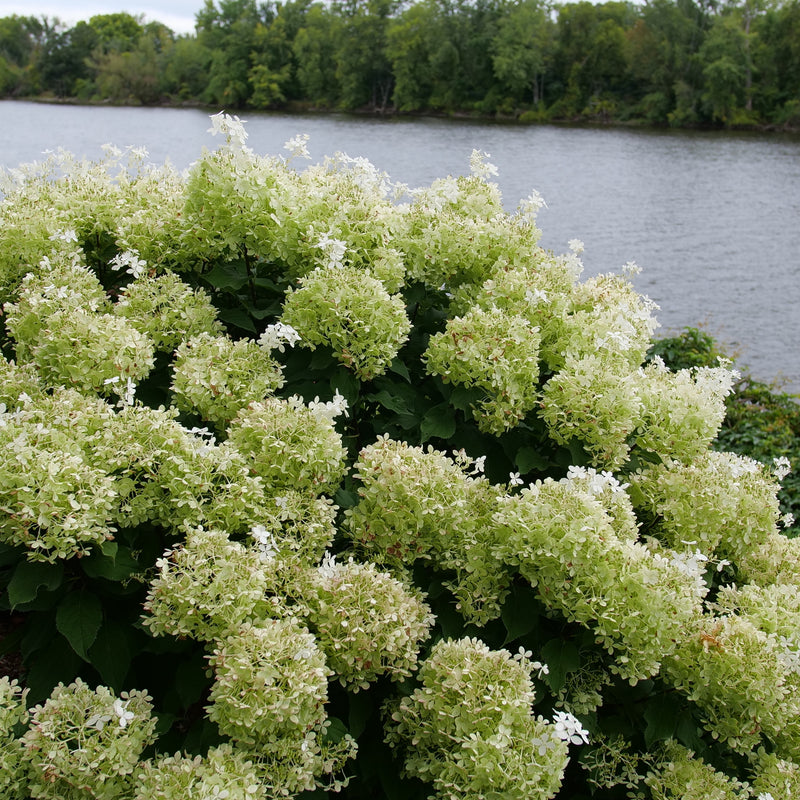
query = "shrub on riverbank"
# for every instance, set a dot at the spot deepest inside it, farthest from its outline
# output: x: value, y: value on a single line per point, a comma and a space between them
x: 381, y: 502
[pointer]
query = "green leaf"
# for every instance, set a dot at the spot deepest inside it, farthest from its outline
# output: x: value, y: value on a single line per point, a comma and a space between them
x: 113, y: 564
x: 336, y: 731
x: 439, y: 422
x: 191, y: 680
x: 344, y: 498
x: 662, y: 715
x: 520, y: 612
x: 78, y: 619
x: 110, y: 654
x: 227, y: 276
x: 529, y: 458
x: 57, y: 663
x: 239, y: 318
x: 29, y: 577
x: 399, y: 368
x: 361, y: 708
x: 390, y: 401
x: 561, y: 657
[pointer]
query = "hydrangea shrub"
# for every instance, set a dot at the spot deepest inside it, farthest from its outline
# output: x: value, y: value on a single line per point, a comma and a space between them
x: 317, y: 484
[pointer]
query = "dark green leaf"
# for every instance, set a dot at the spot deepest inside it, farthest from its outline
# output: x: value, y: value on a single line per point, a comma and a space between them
x: 345, y: 498
x: 520, y: 612
x: 239, y: 318
x: 662, y: 715
x: 113, y: 565
x: 561, y: 657
x: 78, y: 619
x: 57, y: 663
x: 110, y: 654
x: 29, y: 577
x: 528, y: 458
x: 227, y: 276
x: 390, y: 401
x: 439, y: 422
x: 336, y: 731
x: 399, y: 368
x: 361, y: 708
x: 191, y: 679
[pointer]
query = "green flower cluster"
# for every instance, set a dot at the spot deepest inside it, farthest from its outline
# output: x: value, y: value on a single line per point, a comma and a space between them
x: 420, y: 504
x: 495, y: 352
x: 469, y: 729
x: 167, y: 310
x: 680, y: 774
x: 13, y: 716
x: 349, y: 311
x: 721, y: 503
x: 61, y: 324
x: 564, y: 541
x: 86, y: 743
x: 215, y: 376
x: 289, y: 445
x: 366, y: 622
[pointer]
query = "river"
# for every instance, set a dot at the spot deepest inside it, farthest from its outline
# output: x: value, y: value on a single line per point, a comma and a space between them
x: 712, y: 218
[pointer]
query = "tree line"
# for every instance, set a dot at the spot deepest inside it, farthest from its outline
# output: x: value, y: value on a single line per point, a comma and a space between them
x: 675, y: 62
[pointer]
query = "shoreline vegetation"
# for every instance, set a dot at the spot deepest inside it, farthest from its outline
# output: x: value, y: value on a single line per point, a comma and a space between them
x: 676, y: 63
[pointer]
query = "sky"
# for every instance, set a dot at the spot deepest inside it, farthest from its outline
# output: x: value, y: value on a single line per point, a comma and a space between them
x: 175, y: 14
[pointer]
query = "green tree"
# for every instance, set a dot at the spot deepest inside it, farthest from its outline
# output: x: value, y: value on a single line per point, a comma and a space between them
x: 725, y: 69
x: 522, y: 50
x: 21, y: 39
x: 314, y: 49
x: 363, y: 69
x: 64, y: 62
x: 228, y: 31
x: 409, y: 49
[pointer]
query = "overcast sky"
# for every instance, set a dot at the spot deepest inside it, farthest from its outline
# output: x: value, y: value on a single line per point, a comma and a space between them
x: 176, y: 14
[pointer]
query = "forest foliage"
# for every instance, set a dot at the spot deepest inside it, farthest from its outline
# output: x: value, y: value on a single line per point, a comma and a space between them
x: 665, y: 62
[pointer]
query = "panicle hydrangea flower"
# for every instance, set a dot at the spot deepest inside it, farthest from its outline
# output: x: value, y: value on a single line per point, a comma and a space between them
x: 496, y: 353
x: 480, y: 166
x: 725, y: 503
x: 206, y: 587
x: 224, y: 773
x: 469, y: 727
x: 568, y: 728
x: 63, y: 283
x: 408, y: 496
x: 93, y: 353
x: 735, y: 674
x: 682, y: 411
x: 56, y: 497
x: 216, y: 377
x: 433, y: 229
x: 13, y: 716
x: 276, y: 336
x: 563, y: 542
x: 131, y: 262
x: 775, y: 560
x: 605, y: 315
x: 680, y: 775
x: 289, y: 445
x: 270, y: 683
x: 351, y: 312
x: 77, y: 747
x: 298, y: 146
x: 18, y: 383
x: 366, y: 622
x: 167, y: 310
x: 592, y: 401
x: 231, y: 127
x: 782, y: 467
x: 775, y: 777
